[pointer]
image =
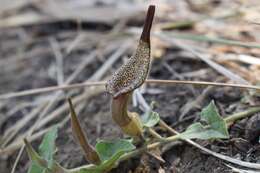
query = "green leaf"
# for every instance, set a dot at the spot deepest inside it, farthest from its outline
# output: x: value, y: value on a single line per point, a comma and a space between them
x: 150, y: 118
x: 216, y: 126
x: 48, y: 147
x: 108, y: 149
x: 35, y: 169
x: 39, y: 165
x: 109, y: 153
x: 110, y: 163
x: 211, y: 116
x: 198, y: 131
x: 43, y: 161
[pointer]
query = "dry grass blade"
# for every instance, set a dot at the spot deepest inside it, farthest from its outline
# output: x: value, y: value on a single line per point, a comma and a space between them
x: 59, y: 60
x: 112, y: 59
x: 102, y: 83
x: 50, y: 89
x: 90, y: 153
x: 201, y: 38
x: 74, y: 43
x: 62, y: 11
x: 13, y: 130
x: 222, y: 70
x: 194, y: 103
x: 248, y: 59
x: 203, y: 83
x: 241, y: 170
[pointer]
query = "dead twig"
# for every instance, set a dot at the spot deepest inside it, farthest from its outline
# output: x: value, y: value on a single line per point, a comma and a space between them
x: 59, y: 60
x: 102, y: 83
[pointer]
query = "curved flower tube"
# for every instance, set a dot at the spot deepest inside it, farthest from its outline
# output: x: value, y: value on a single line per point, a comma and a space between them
x: 129, y: 77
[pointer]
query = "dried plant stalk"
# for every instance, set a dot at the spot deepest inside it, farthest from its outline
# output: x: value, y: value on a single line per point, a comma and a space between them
x: 90, y: 153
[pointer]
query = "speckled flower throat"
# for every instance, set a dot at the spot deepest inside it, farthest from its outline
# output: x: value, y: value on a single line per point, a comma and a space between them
x: 132, y: 74
x: 129, y: 77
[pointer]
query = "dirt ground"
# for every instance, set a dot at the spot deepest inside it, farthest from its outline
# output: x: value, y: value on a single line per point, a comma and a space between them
x: 30, y: 57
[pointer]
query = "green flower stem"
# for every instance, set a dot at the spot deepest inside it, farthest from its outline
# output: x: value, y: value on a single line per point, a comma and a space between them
x: 80, y: 169
x: 149, y: 147
x: 153, y: 133
x: 240, y: 115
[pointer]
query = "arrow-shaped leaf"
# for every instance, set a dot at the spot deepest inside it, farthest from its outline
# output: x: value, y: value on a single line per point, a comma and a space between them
x: 150, y: 118
x: 216, y: 126
x: 109, y: 153
x: 43, y: 162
